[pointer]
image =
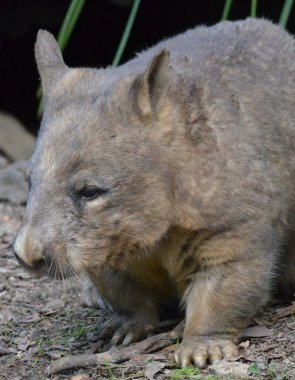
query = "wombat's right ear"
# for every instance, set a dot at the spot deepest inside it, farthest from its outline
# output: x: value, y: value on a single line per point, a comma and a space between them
x: 49, y: 60
x: 151, y: 87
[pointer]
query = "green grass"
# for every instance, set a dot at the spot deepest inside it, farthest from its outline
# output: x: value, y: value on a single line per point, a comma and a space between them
x: 284, y: 17
x: 253, y: 11
x: 226, y: 9
x: 190, y: 373
x: 274, y: 373
x: 35, y: 362
x: 185, y: 373
x: 253, y: 369
x: 70, y: 20
x: 80, y: 332
x: 126, y: 33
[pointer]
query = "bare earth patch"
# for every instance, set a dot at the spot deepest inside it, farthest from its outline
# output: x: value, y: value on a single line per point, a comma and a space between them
x: 42, y: 321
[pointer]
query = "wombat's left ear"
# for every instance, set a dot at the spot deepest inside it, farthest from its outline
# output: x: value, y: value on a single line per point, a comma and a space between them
x: 49, y: 60
x: 154, y: 83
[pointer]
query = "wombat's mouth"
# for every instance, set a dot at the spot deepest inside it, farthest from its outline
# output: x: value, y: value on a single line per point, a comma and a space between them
x: 33, y: 269
x: 46, y: 267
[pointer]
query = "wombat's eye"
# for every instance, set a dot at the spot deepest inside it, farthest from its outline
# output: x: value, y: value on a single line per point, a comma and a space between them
x: 91, y: 193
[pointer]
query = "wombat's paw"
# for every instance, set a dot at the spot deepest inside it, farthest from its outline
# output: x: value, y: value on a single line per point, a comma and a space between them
x: 201, y: 350
x: 124, y: 330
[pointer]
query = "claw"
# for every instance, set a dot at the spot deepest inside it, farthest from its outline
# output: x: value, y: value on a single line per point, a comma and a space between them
x: 124, y: 330
x: 200, y: 361
x: 202, y: 349
x: 116, y: 340
x: 129, y: 338
x: 215, y: 354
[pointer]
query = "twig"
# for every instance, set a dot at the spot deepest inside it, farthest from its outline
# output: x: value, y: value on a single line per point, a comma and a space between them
x: 118, y: 355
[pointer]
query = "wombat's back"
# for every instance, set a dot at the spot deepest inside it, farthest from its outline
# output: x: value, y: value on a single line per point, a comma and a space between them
x: 259, y: 39
x: 247, y: 71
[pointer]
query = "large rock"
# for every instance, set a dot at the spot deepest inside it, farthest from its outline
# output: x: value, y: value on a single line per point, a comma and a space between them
x: 16, y: 143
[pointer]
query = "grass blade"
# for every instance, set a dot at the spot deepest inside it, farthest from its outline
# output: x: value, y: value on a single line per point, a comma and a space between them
x: 126, y: 33
x: 227, y: 6
x: 253, y: 8
x: 69, y: 22
x: 64, y: 35
x: 285, y: 13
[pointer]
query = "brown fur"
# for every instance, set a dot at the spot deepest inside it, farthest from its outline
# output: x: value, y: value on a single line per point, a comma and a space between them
x: 189, y: 152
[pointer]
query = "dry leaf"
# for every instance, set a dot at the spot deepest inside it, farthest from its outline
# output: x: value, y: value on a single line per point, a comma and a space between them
x: 153, y: 368
x: 244, y: 344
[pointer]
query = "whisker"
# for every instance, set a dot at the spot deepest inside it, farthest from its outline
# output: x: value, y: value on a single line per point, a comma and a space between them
x: 60, y: 270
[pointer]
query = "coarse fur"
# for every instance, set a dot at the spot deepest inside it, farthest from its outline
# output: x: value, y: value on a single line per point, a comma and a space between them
x: 170, y: 181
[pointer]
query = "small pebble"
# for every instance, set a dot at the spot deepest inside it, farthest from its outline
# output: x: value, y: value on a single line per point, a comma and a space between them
x: 23, y: 333
x: 83, y: 376
x: 33, y: 350
x: 3, y: 351
x: 12, y: 350
x: 54, y: 355
x: 22, y: 347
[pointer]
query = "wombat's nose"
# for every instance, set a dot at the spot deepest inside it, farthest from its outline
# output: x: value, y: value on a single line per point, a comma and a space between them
x: 27, y: 252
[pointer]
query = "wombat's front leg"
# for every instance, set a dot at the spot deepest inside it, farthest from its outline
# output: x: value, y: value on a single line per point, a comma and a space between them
x: 135, y: 307
x: 232, y: 284
x: 90, y: 295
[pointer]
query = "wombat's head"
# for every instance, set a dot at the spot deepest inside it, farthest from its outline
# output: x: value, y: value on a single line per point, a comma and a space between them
x: 101, y: 186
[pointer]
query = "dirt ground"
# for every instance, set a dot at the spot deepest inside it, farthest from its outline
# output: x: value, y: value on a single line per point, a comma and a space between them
x: 41, y: 321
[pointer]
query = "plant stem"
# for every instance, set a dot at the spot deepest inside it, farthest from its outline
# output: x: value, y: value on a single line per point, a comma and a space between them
x: 226, y: 9
x: 126, y: 33
x: 285, y: 13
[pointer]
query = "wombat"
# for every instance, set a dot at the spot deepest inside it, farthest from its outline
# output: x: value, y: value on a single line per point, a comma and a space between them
x: 169, y: 181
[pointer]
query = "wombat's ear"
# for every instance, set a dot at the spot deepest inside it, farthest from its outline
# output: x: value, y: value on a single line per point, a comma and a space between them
x: 49, y: 59
x: 154, y: 83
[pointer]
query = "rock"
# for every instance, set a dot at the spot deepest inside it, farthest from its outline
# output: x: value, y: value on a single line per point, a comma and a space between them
x: 231, y: 370
x: 16, y: 143
x: 3, y: 162
x: 13, y: 187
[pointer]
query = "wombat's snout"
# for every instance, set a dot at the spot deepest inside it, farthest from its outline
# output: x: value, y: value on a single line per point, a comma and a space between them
x: 27, y: 252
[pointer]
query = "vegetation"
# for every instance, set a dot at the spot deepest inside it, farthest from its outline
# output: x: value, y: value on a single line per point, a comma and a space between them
x: 76, y: 7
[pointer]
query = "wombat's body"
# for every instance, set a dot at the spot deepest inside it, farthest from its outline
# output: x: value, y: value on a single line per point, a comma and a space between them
x: 171, y: 180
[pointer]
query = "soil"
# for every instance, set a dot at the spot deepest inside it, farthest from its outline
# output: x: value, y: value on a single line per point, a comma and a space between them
x: 41, y: 321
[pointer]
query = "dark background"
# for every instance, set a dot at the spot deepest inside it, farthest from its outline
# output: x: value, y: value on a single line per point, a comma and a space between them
x: 96, y: 36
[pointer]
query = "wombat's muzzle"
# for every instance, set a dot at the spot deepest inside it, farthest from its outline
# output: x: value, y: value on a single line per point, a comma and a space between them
x: 38, y: 259
x: 27, y: 252
x: 36, y: 265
